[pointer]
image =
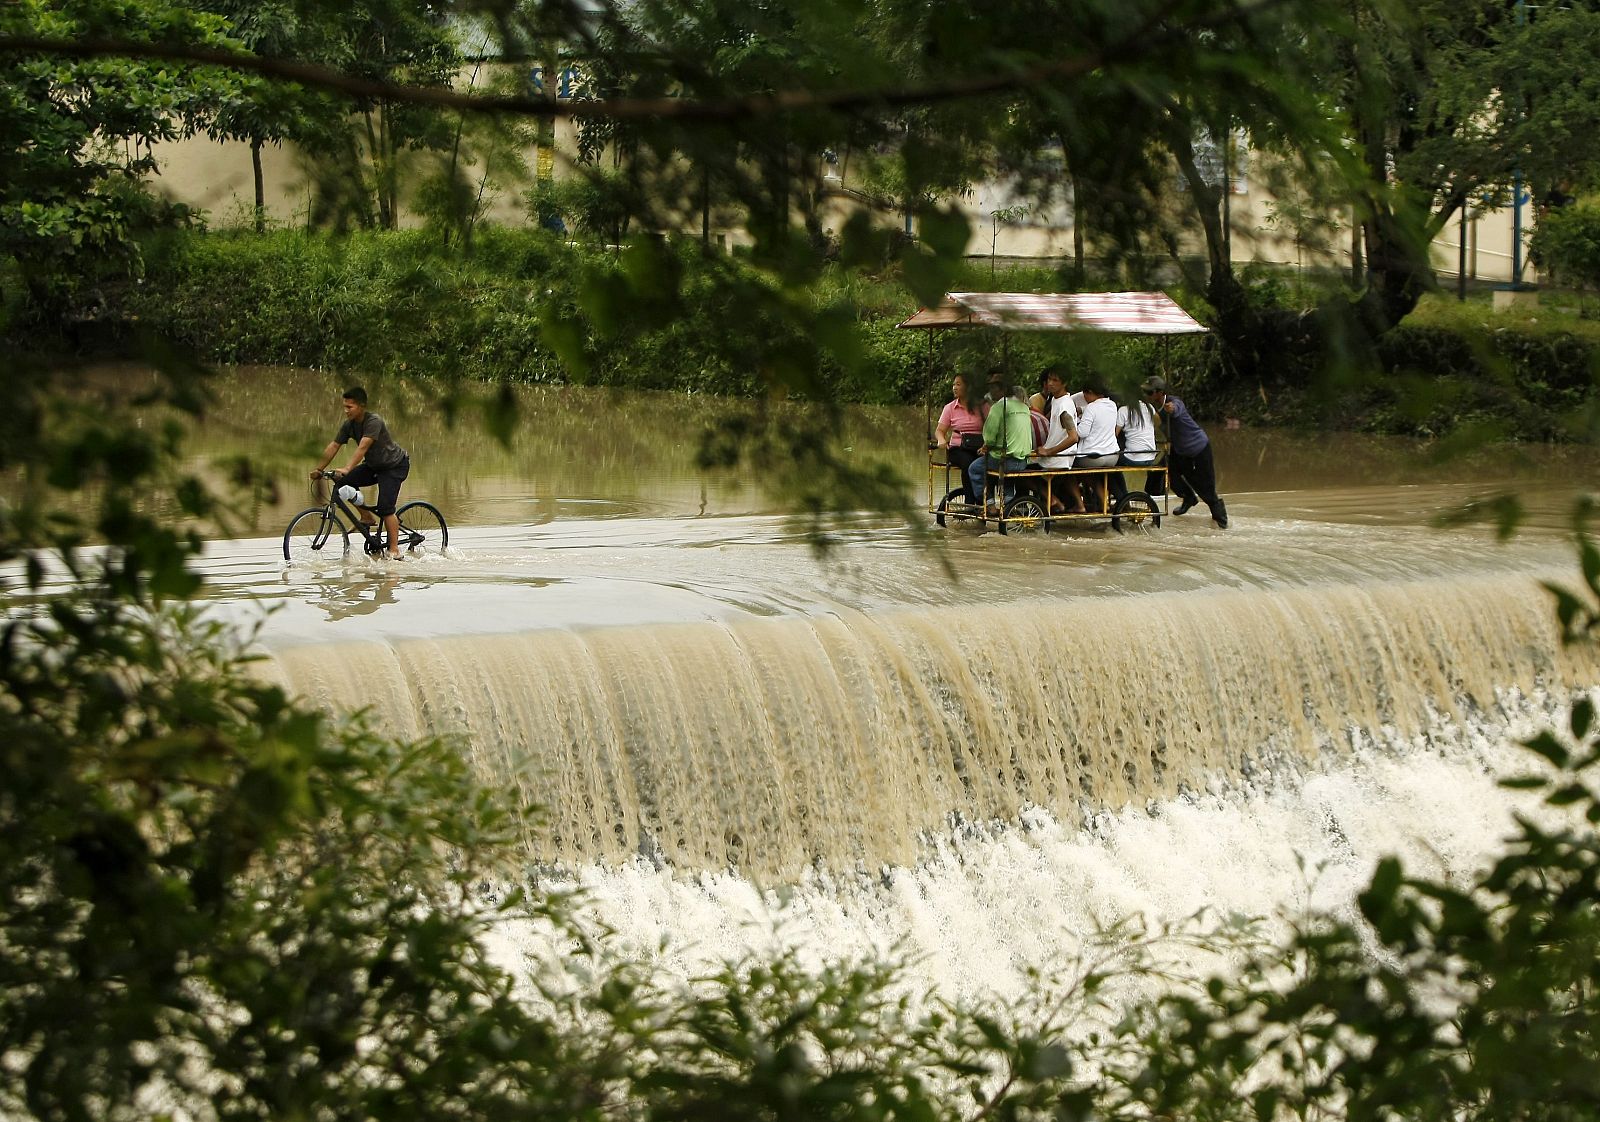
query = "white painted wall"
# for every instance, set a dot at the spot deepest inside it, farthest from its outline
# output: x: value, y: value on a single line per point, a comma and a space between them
x: 217, y: 178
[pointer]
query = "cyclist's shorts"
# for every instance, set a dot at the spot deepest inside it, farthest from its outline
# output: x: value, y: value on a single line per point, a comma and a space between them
x: 388, y: 481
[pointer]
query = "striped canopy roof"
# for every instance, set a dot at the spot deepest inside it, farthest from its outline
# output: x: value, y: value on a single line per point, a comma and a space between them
x: 1126, y: 313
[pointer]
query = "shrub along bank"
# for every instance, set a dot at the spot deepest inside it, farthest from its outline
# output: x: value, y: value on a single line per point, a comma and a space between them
x: 1430, y: 380
x: 525, y: 306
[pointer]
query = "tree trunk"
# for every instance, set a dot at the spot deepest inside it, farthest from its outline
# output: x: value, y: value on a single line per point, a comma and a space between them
x: 1237, y: 327
x: 455, y: 220
x: 1358, y: 267
x: 705, y: 209
x: 1208, y: 208
x: 261, y: 193
x: 1398, y: 268
x: 1077, y: 232
x: 391, y: 219
x: 1226, y: 144
x: 1394, y: 283
x: 374, y: 159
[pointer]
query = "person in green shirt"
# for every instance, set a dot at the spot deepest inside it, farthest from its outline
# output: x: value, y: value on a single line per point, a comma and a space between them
x: 1007, y: 436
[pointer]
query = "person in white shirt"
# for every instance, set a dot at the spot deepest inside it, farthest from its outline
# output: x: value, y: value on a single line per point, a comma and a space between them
x: 1097, y: 429
x: 1136, y: 430
x: 1097, y: 436
x: 1060, y: 439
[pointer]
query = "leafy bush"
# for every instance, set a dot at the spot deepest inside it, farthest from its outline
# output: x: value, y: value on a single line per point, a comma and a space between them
x: 1566, y: 244
x: 527, y: 306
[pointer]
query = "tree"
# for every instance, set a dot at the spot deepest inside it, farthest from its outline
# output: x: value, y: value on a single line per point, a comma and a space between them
x: 1450, y: 105
x: 1567, y: 243
x: 77, y: 138
x: 404, y: 42
x: 261, y: 112
x: 1160, y: 181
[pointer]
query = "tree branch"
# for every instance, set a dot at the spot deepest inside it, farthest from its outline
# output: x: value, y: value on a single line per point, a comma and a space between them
x: 1141, y: 41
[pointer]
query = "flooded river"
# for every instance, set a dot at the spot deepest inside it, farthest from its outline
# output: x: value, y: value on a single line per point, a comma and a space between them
x: 596, y: 516
x: 914, y: 734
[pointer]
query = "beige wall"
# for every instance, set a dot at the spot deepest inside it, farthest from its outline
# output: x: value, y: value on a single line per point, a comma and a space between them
x: 217, y: 178
x: 1256, y: 239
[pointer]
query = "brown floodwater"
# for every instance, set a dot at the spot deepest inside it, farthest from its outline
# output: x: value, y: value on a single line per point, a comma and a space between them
x: 594, y: 513
x: 659, y: 660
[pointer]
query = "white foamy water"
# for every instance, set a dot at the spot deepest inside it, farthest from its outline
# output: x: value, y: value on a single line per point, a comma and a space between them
x: 988, y: 908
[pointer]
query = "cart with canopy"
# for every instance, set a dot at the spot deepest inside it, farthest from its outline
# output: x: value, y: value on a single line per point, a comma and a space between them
x: 1122, y: 313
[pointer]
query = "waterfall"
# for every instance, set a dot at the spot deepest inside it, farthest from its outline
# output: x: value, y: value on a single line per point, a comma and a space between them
x: 849, y: 740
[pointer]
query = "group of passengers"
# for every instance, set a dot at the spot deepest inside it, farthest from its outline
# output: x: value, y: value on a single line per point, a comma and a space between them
x: 1059, y: 429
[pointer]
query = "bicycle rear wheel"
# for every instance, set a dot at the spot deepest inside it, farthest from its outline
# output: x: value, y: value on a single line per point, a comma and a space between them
x: 422, y: 529
x: 315, y: 534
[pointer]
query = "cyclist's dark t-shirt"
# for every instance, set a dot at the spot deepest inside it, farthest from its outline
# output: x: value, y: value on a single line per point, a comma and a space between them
x: 384, y: 453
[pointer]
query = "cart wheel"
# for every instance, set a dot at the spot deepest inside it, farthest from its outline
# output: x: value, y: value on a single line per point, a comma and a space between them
x: 1135, y: 511
x: 1024, y: 514
x: 956, y: 504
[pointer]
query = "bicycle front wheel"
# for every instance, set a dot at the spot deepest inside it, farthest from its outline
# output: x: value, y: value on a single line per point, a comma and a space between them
x: 315, y: 534
x: 422, y: 529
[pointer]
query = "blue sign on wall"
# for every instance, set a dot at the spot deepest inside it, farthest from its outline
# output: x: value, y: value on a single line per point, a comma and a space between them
x: 566, y: 86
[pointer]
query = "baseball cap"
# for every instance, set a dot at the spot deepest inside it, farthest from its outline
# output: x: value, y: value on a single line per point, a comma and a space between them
x: 1154, y: 384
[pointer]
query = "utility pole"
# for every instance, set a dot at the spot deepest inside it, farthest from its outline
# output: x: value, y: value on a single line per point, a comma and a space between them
x: 1516, y: 187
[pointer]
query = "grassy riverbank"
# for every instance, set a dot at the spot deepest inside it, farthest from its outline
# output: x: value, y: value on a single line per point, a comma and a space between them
x: 518, y: 308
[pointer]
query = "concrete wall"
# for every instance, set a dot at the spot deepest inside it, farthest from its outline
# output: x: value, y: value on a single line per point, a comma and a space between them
x: 217, y: 178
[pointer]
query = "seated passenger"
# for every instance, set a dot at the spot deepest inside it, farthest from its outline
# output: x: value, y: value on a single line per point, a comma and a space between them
x: 1042, y: 398
x: 1097, y: 436
x: 1061, y: 436
x: 1136, y: 429
x: 1041, y: 428
x: 1039, y: 410
x: 1007, y: 437
x: 961, y: 425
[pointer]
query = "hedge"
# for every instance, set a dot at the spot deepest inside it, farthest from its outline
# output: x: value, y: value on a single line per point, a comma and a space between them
x: 394, y: 302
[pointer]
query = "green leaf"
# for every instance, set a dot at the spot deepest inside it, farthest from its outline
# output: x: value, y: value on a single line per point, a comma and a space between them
x: 564, y: 336
x: 500, y: 416
x: 1582, y: 718
x: 862, y: 242
x: 945, y: 231
x: 1546, y: 745
x: 1041, y: 1062
x: 1570, y: 794
x: 1589, y: 559
x: 926, y: 275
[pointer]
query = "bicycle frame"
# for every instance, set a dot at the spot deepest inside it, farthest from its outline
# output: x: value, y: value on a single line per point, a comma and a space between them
x: 371, y: 533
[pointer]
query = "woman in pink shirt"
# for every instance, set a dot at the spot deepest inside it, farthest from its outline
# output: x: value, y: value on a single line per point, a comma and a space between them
x: 960, y: 425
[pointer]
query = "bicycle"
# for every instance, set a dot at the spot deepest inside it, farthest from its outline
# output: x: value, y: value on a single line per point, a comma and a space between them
x: 324, y: 531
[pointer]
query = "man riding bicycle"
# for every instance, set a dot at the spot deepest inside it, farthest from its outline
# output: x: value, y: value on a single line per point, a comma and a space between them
x: 378, y: 459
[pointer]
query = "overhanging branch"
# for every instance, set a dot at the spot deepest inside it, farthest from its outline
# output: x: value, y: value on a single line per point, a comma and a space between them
x: 1143, y: 40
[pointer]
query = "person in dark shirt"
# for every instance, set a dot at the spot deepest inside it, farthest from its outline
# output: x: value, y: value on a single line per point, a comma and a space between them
x: 377, y: 459
x: 1194, y: 474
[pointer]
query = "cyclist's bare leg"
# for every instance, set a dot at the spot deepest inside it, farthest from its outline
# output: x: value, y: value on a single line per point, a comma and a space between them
x: 391, y: 523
